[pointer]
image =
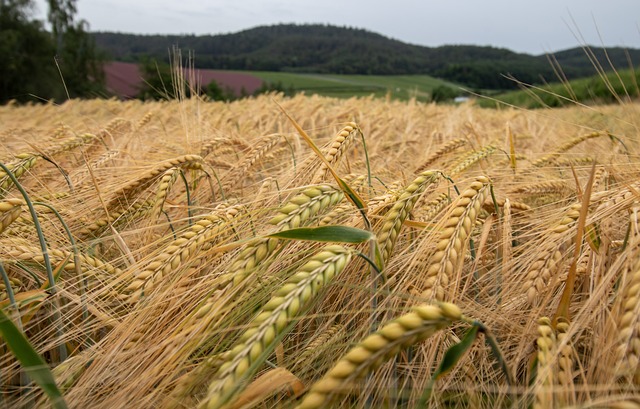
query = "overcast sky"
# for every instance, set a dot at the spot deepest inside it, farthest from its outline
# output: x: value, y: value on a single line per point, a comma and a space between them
x: 527, y: 26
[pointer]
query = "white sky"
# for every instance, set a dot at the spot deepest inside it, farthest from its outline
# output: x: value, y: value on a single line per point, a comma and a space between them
x: 528, y: 26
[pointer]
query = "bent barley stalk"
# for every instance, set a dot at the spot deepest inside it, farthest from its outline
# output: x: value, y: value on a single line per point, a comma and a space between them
x: 628, y: 345
x: 311, y: 202
x: 134, y: 212
x: 544, y: 267
x: 201, y: 235
x: 565, y: 364
x: 338, y: 147
x: 401, y: 209
x: 543, y: 387
x: 470, y: 159
x: 422, y: 322
x: 192, y: 162
x: 444, y: 149
x: 164, y: 186
x: 270, y: 324
x: 451, y: 245
x: 24, y: 162
x: 565, y: 147
x: 434, y: 207
x: 10, y: 210
x: 70, y: 144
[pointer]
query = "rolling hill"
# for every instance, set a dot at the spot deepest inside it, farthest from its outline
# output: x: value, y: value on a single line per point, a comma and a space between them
x: 326, y: 49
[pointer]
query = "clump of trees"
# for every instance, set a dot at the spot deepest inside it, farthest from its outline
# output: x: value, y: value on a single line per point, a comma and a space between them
x: 39, y: 64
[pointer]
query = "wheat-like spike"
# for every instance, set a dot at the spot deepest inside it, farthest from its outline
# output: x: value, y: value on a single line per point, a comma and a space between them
x: 382, y: 203
x: 434, y: 207
x: 546, y: 187
x: 546, y: 343
x: 628, y: 345
x: 548, y: 256
x: 307, y: 203
x: 335, y: 215
x: 443, y: 150
x: 70, y: 144
x: 271, y: 323
x: 316, y: 343
x: 393, y: 220
x: 573, y: 161
x: 193, y: 162
x: 200, y: 235
x: 311, y: 202
x: 565, y: 363
x: 134, y: 212
x: 452, y: 242
x: 471, y: 158
x: 565, y: 147
x: 10, y: 210
x: 164, y: 186
x: 116, y: 125
x: 507, y: 237
x: 24, y: 162
x: 212, y: 145
x: 144, y: 120
x: 237, y: 175
x: 490, y: 205
x: 422, y: 322
x: 83, y: 173
x: 334, y: 152
x: 12, y: 252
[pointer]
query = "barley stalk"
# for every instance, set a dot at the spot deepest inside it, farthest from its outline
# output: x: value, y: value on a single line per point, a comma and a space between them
x: 422, y: 322
x: 70, y: 144
x: 310, y: 202
x: 183, y: 162
x: 564, y: 147
x: 24, y: 162
x: 443, y: 150
x: 270, y: 324
x: 199, y: 236
x: 334, y: 152
x: 471, y: 158
x: 628, y: 336
x: 453, y: 238
x: 565, y: 363
x: 134, y: 212
x: 401, y: 209
x: 543, y: 268
x: 434, y: 207
x: 164, y: 186
x: 546, y: 187
x: 10, y: 210
x: 546, y: 343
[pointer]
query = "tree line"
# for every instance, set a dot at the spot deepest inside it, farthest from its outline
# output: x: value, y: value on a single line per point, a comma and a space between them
x: 326, y: 49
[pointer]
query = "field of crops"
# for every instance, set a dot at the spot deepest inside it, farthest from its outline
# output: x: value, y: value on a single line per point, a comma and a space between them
x: 402, y: 87
x: 191, y: 254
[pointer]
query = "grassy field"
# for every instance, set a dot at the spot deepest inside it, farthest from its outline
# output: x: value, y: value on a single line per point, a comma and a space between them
x: 614, y: 87
x: 192, y: 254
x: 402, y: 87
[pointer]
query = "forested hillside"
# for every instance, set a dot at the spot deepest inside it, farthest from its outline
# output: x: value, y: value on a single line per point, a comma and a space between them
x: 345, y: 50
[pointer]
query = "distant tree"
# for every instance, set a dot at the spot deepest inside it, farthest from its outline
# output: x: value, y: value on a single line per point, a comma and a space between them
x: 214, y: 91
x: 158, y: 81
x: 76, y: 54
x: 443, y: 93
x: 28, y: 68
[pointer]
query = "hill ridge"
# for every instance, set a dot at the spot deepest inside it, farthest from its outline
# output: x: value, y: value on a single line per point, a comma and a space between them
x: 324, y: 48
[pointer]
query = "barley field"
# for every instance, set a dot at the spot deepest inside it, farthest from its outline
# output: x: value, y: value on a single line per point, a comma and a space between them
x: 191, y: 254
